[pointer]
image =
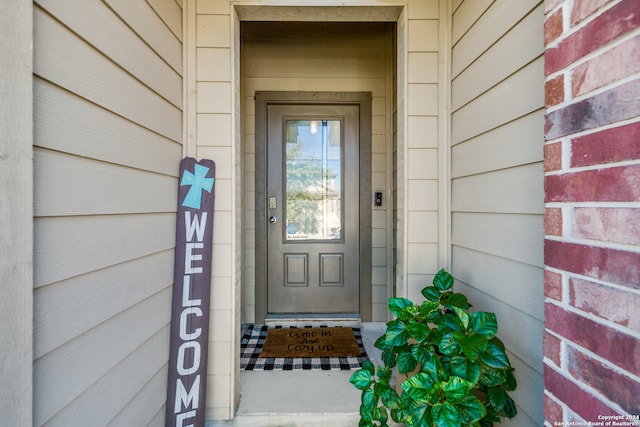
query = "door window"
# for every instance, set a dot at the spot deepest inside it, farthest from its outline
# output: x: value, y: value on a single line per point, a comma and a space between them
x: 313, y: 180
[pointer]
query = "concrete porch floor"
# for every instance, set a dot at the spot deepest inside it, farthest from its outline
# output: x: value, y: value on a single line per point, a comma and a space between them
x: 302, y: 398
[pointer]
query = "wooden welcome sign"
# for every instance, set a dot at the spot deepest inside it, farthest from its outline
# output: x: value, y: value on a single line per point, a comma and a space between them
x: 191, y: 295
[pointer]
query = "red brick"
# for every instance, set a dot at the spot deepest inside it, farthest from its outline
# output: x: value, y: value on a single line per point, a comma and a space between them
x: 620, y: 349
x: 553, y: 411
x: 577, y: 399
x: 618, y: 225
x: 611, y: 24
x: 553, y: 221
x: 551, y: 4
x: 584, y: 8
x: 609, y: 265
x: 554, y: 91
x: 612, y: 145
x: 599, y: 71
x: 553, y: 26
x: 613, y: 105
x: 613, y: 304
x: 553, y: 285
x: 617, y: 388
x: 615, y: 184
x: 553, y: 157
x: 551, y: 346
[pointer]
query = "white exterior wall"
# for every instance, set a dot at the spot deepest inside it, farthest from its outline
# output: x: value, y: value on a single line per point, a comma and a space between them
x: 215, y: 129
x: 107, y: 144
x: 497, y: 195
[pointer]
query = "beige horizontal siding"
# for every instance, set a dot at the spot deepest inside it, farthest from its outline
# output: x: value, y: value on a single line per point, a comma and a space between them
x: 376, y: 86
x: 354, y: 68
x: 66, y: 373
x: 487, y: 27
x: 152, y: 28
x: 116, y: 387
x: 67, y: 61
x: 529, y: 399
x: 517, y: 142
x: 69, y: 246
x: 211, y: 125
x: 511, y: 52
x: 513, y: 190
x: 147, y: 404
x: 497, y: 195
x: 67, y: 123
x: 518, y: 95
x: 515, y: 283
x: 526, y: 350
x: 94, y: 297
x: 281, y: 59
x: 525, y: 354
x: 70, y: 185
x: 104, y: 30
x: 170, y: 12
x: 513, y: 236
x: 466, y: 13
x: 108, y: 141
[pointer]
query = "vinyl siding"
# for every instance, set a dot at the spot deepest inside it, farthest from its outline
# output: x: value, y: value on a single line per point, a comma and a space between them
x: 107, y: 144
x: 497, y: 178
x: 349, y: 60
x: 211, y: 126
x: 419, y: 177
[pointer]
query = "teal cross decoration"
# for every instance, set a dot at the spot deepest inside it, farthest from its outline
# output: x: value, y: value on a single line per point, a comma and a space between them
x: 198, y: 182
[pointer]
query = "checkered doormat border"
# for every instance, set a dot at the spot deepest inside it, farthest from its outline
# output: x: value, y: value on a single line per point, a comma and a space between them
x: 253, y: 340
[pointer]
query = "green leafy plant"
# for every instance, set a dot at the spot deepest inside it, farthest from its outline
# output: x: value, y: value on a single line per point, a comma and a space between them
x: 456, y: 369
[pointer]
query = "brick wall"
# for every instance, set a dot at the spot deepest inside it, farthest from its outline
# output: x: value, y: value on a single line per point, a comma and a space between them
x: 592, y: 210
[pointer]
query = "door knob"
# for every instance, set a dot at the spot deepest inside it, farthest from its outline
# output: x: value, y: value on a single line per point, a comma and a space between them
x: 273, y: 219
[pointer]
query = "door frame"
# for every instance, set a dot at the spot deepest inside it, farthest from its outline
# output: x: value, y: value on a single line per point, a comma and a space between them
x: 363, y: 100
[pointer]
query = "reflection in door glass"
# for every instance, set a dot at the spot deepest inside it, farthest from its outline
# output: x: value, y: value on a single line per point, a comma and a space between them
x: 313, y: 180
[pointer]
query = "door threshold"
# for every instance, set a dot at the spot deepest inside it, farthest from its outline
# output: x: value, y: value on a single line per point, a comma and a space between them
x: 307, y: 319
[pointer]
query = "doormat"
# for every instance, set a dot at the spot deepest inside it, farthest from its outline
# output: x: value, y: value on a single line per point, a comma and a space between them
x: 310, y: 342
x: 253, y: 343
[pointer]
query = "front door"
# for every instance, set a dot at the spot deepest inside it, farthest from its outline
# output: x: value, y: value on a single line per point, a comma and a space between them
x: 313, y: 208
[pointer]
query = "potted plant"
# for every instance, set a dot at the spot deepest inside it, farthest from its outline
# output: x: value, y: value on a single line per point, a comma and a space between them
x: 457, y: 372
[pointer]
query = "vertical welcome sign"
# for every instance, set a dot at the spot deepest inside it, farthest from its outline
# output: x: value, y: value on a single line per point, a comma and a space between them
x: 191, y: 295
